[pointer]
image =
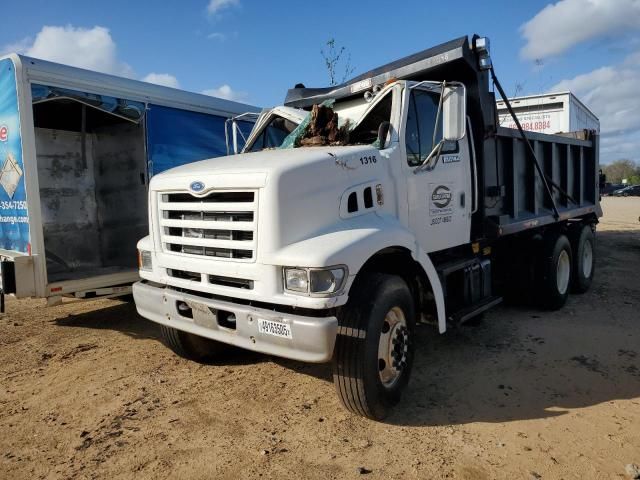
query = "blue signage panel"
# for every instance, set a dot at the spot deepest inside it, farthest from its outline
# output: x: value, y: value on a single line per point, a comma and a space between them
x: 14, y: 218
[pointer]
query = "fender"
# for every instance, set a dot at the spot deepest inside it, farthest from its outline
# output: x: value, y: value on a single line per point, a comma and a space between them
x: 425, y: 262
x: 352, y: 243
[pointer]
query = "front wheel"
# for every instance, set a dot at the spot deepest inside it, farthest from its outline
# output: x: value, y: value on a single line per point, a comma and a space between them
x: 191, y: 346
x: 374, y: 348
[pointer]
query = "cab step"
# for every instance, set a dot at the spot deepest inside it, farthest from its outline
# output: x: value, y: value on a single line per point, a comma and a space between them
x: 471, y: 311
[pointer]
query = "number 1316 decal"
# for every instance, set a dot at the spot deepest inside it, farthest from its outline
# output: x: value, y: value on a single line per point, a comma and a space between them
x: 368, y: 160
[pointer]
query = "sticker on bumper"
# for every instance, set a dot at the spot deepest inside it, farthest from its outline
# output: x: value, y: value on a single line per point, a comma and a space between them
x: 202, y: 315
x: 277, y: 329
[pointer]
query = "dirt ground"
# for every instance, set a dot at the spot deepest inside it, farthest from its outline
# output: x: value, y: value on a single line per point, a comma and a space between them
x: 88, y: 391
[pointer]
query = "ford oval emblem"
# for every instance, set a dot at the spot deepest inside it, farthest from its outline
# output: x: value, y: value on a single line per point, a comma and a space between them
x: 196, y: 186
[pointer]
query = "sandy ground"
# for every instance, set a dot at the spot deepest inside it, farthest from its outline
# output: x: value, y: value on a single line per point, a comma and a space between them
x: 88, y: 391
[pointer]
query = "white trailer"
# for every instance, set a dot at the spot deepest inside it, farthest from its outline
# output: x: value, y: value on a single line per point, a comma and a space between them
x: 77, y: 150
x: 552, y: 113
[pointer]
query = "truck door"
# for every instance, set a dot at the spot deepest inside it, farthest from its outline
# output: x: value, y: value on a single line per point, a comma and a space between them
x: 439, y: 198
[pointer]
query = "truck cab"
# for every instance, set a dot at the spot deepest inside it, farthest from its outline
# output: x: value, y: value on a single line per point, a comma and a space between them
x: 329, y: 239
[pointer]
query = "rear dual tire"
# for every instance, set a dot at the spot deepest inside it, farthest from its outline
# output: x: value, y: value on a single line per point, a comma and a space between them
x: 566, y: 264
x: 584, y: 260
x: 554, y: 271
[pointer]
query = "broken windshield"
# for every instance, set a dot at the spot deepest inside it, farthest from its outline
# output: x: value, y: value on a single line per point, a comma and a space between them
x: 273, y: 134
x: 329, y: 124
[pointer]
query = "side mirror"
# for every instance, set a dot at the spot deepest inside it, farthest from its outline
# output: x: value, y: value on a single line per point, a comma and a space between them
x: 454, y: 112
x: 383, y: 131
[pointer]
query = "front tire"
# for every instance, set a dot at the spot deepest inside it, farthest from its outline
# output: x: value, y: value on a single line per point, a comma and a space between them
x: 554, y: 275
x: 190, y: 346
x: 374, y: 349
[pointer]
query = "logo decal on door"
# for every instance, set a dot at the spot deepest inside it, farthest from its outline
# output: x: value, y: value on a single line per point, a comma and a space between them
x: 441, y: 196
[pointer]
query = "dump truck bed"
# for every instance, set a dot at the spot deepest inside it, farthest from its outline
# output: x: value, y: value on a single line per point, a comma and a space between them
x: 514, y: 195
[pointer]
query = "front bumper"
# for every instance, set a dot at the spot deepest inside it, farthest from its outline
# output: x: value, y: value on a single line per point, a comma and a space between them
x: 312, y: 339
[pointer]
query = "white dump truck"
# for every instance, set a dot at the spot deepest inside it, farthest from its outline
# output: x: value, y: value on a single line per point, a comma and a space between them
x: 77, y: 149
x: 397, y: 200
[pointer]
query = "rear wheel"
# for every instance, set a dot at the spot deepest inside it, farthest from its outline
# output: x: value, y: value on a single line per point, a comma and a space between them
x: 374, y: 348
x: 583, y: 267
x: 192, y: 346
x: 554, y: 271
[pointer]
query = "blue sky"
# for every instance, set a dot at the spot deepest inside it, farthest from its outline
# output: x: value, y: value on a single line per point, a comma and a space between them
x: 253, y: 51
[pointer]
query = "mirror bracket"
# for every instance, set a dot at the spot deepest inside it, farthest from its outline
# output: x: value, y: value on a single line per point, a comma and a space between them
x: 383, y: 131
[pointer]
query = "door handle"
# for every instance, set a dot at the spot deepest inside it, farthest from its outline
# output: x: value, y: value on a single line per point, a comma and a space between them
x: 462, y: 199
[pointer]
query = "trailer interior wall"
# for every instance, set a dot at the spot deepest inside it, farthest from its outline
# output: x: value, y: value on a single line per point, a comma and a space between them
x: 92, y: 189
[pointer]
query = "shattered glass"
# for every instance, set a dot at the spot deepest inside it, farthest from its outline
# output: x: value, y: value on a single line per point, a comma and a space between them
x: 322, y: 127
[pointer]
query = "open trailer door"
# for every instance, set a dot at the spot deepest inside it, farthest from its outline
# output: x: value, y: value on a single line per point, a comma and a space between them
x: 91, y: 162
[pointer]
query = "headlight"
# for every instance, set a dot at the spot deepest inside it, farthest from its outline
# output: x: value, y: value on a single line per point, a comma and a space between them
x: 144, y: 260
x: 315, y: 281
x: 326, y: 281
x: 296, y: 280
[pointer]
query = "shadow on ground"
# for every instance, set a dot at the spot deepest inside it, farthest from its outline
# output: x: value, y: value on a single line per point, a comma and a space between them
x: 118, y: 316
x: 122, y: 317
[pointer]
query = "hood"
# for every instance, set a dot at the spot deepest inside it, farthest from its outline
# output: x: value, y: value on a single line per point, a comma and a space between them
x: 252, y: 169
x: 301, y: 190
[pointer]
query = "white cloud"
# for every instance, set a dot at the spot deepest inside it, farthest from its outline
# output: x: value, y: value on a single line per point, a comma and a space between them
x: 163, y: 79
x: 90, y: 48
x: 226, y: 92
x: 217, y: 36
x: 559, y: 27
x: 17, y: 47
x: 611, y: 93
x: 215, y: 6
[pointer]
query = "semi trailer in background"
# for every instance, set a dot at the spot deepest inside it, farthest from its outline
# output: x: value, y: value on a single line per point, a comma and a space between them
x: 362, y: 209
x: 560, y: 112
x: 77, y: 150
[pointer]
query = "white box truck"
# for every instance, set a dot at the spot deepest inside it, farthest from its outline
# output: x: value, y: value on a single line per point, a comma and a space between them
x: 560, y: 112
x: 77, y: 149
x: 396, y: 200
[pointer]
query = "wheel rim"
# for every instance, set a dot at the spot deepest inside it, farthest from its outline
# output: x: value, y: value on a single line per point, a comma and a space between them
x: 587, y: 259
x: 393, y: 347
x: 563, y: 270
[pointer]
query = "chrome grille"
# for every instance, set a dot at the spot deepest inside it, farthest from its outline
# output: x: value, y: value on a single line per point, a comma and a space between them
x: 232, y: 282
x: 221, y: 224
